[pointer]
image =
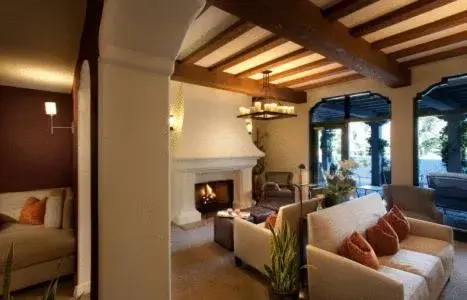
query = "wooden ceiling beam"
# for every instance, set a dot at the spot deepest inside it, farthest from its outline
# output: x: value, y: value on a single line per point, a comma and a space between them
x: 302, y: 22
x: 300, y: 53
x: 452, y: 39
x: 437, y: 56
x: 345, y: 8
x: 313, y: 65
x: 231, y: 33
x: 220, y: 80
x: 338, y: 70
x: 248, y: 53
x: 404, y: 13
x: 446, y: 23
x: 329, y: 82
x: 205, y: 8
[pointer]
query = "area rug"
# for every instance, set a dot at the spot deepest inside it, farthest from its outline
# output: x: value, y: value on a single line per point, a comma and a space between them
x: 203, y: 270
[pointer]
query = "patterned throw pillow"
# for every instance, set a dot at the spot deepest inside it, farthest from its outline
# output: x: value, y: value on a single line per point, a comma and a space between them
x: 271, y: 221
x: 356, y: 248
x: 33, y: 211
x: 383, y: 238
x: 398, y: 221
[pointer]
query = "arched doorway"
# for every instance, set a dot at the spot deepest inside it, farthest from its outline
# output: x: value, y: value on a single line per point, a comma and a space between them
x: 83, y: 285
x: 356, y: 127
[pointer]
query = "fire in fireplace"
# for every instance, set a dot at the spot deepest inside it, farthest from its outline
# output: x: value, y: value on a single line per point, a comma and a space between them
x: 213, y: 195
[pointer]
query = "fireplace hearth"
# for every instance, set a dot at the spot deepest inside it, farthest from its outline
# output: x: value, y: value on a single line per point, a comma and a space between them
x: 213, y: 196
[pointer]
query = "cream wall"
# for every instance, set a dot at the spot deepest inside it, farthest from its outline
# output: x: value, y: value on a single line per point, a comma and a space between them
x: 287, y: 145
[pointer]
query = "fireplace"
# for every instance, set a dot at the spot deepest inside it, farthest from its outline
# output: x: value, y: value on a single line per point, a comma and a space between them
x: 213, y: 196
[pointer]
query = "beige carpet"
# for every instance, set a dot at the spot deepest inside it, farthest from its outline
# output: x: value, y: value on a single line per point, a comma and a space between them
x: 202, y: 270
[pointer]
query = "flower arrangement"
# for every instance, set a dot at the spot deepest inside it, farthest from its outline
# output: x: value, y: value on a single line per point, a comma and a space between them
x: 340, y: 184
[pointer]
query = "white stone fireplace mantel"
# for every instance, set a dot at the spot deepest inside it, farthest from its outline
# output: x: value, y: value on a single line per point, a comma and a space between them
x: 186, y: 172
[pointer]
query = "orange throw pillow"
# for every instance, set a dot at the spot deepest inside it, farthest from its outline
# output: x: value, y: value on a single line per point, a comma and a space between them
x: 398, y: 221
x: 33, y: 211
x: 358, y: 249
x: 383, y: 238
x: 271, y: 221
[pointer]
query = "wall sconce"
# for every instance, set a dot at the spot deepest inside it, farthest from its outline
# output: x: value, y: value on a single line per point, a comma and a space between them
x: 172, y: 121
x: 249, y: 125
x: 51, y: 110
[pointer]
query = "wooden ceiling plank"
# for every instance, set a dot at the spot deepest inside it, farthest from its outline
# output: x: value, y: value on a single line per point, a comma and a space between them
x: 345, y: 8
x: 220, y: 80
x: 231, y: 33
x: 338, y: 70
x: 452, y: 39
x: 437, y: 56
x: 329, y: 82
x: 313, y: 65
x: 297, y: 54
x: 404, y: 13
x: 446, y: 23
x: 303, y: 23
x: 248, y: 53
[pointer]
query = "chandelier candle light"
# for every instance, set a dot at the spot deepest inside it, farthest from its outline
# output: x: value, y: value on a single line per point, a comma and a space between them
x: 265, y: 107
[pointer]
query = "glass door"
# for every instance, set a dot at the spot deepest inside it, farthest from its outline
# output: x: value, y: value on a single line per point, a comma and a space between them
x: 329, y: 151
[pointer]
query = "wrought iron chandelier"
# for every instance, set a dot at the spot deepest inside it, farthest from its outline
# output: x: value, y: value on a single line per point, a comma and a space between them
x: 266, y: 107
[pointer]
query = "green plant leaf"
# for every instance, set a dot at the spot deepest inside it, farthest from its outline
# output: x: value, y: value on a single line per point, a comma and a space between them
x: 7, y: 273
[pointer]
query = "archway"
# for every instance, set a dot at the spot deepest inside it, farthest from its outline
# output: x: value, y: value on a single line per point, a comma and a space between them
x: 83, y: 124
x: 353, y: 126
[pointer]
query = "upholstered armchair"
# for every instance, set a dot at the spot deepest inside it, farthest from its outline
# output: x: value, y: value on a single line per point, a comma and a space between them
x: 278, y: 190
x: 252, y: 242
x: 416, y: 202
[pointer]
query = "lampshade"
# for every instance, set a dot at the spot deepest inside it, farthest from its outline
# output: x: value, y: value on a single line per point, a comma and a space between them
x: 50, y: 108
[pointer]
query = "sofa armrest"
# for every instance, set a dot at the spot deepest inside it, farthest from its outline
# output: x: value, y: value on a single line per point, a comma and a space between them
x: 431, y: 230
x: 331, y: 276
x: 252, y: 244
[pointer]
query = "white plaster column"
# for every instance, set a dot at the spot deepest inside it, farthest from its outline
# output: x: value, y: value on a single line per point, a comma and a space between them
x: 139, y: 41
x: 183, y: 187
x: 245, y: 189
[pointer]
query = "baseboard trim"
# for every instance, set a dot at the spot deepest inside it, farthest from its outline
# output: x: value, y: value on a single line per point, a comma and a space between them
x: 82, y: 289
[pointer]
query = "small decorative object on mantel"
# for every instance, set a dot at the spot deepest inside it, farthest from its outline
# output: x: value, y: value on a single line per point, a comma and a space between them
x: 266, y: 107
x: 231, y: 213
x: 340, y: 186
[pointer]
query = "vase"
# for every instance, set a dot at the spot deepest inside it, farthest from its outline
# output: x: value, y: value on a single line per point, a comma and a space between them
x: 276, y: 296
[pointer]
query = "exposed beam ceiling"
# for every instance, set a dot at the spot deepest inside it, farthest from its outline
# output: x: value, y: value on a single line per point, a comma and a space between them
x: 302, y: 22
x: 332, y: 81
x: 248, y: 53
x: 313, y: 65
x: 454, y: 20
x: 452, y: 39
x: 443, y: 105
x: 344, y: 8
x: 437, y: 56
x: 275, y: 62
x: 221, y: 39
x: 220, y: 80
x: 404, y: 13
x: 319, y: 75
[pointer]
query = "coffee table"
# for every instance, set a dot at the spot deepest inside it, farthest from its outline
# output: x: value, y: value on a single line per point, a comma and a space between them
x: 223, y: 230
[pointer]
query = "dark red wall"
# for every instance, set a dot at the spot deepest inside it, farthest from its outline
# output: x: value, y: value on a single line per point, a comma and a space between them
x: 30, y: 157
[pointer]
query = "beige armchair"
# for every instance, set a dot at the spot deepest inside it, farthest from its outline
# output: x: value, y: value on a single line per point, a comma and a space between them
x: 416, y: 202
x: 252, y: 241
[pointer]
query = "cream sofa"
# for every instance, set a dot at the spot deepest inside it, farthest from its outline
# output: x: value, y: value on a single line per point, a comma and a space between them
x: 40, y: 253
x: 252, y: 242
x: 419, y: 270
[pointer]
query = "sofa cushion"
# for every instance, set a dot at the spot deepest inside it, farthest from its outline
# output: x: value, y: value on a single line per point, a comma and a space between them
x: 53, y: 212
x: 415, y: 287
x: 441, y: 249
x: 398, y: 221
x: 33, y: 211
x: 425, y: 265
x: 327, y: 228
x: 383, y: 238
x: 356, y: 248
x: 35, y: 244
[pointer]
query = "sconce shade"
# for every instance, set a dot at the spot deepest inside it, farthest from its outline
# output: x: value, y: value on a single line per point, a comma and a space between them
x: 172, y: 121
x: 249, y: 127
x: 50, y: 108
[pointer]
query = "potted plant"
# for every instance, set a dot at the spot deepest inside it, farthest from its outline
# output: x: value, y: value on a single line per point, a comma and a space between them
x: 340, y: 184
x: 283, y: 273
